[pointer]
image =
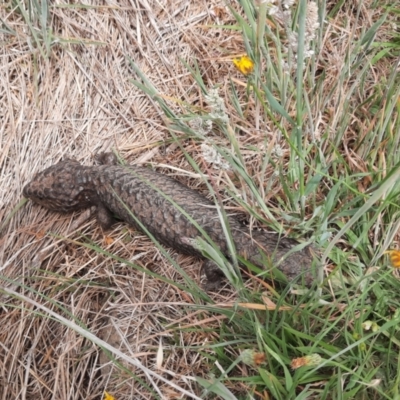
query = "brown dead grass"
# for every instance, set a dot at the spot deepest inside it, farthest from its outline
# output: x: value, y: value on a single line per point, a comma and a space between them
x: 78, y: 102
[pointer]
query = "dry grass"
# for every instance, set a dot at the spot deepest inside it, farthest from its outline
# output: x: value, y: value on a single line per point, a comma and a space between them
x: 76, y: 102
x: 75, y: 99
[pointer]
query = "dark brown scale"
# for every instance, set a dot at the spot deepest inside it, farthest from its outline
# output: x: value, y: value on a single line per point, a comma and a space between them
x: 155, y: 200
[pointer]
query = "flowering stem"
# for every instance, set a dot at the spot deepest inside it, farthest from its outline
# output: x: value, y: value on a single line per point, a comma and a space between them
x: 262, y: 15
x: 300, y: 110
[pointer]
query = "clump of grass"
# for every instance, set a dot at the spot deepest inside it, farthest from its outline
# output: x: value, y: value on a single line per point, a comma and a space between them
x: 338, y: 187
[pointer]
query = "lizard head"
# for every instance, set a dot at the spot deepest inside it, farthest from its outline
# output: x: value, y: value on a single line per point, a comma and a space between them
x: 66, y: 186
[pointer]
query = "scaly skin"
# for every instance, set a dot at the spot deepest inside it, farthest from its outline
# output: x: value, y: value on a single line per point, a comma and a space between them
x: 160, y: 204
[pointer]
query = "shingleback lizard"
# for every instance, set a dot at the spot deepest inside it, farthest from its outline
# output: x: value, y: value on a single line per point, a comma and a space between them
x: 153, y: 199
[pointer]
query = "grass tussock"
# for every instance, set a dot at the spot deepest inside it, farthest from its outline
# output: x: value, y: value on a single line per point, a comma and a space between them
x: 303, y: 141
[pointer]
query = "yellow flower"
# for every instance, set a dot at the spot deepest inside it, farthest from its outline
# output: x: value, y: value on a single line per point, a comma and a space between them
x: 107, y: 396
x: 394, y: 256
x: 244, y: 64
